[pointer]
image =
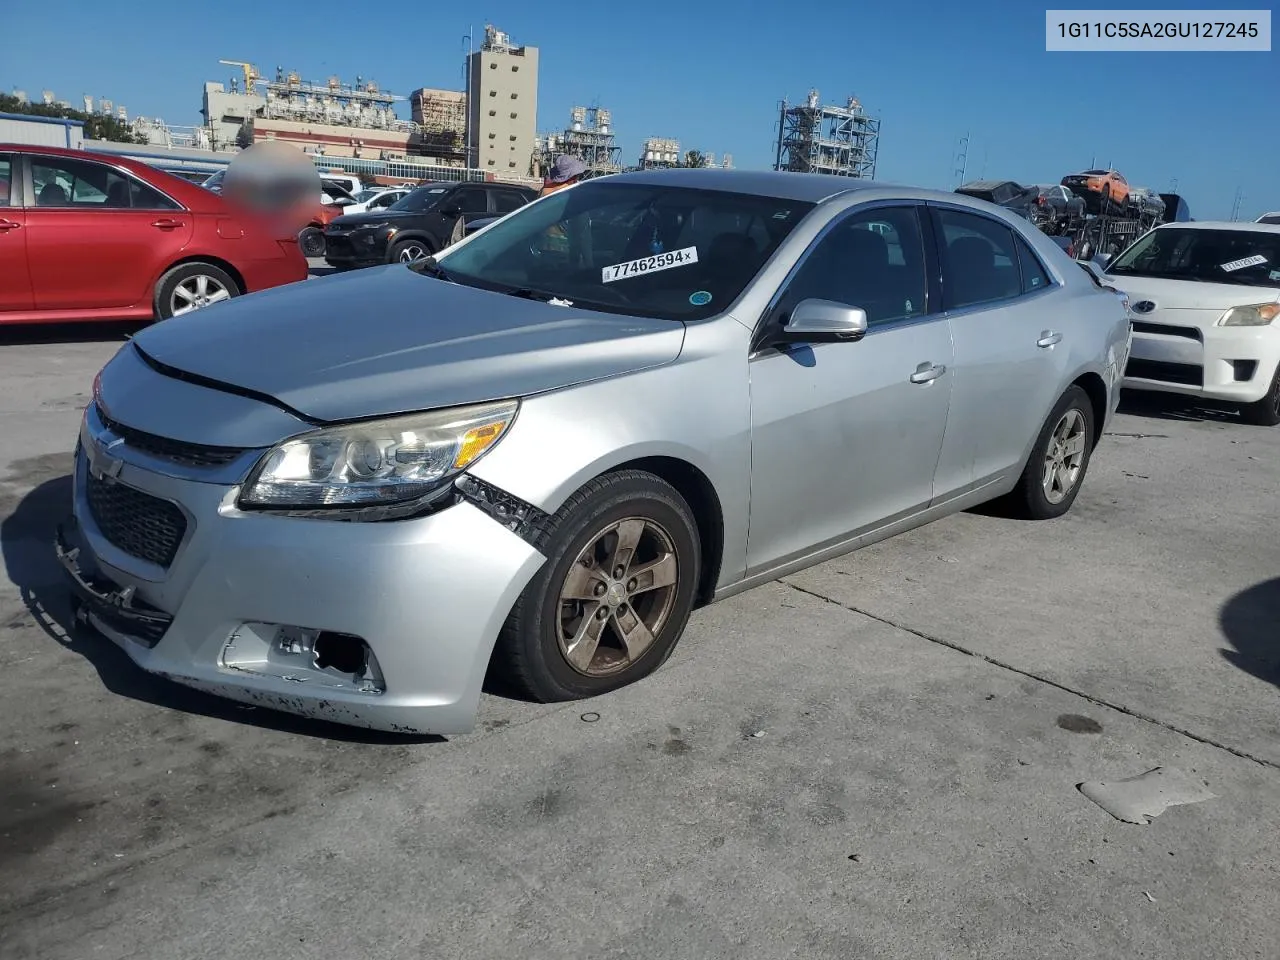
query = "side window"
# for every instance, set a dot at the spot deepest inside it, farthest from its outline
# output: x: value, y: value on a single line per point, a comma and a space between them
x: 979, y: 260
x: 384, y: 201
x: 84, y: 184
x: 470, y: 200
x: 142, y: 197
x: 1034, y: 276
x: 6, y: 179
x: 504, y: 201
x: 873, y: 260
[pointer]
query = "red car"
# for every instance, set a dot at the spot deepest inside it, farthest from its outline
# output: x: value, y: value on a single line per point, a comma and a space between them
x: 85, y: 236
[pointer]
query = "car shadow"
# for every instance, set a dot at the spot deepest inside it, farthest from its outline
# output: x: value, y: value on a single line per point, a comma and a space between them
x: 26, y: 536
x: 1171, y: 406
x: 1249, y: 622
x: 88, y: 332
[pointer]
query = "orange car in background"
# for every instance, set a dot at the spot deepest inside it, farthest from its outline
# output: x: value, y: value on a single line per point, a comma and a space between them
x: 1104, y: 191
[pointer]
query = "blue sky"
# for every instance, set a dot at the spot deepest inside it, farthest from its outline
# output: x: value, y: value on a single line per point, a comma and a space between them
x: 711, y: 74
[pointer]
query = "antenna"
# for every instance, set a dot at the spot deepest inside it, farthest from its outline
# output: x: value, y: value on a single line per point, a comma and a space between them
x: 1235, y: 209
x: 961, y: 157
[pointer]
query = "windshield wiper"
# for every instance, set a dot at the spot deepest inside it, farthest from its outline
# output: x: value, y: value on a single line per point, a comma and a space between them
x: 528, y: 293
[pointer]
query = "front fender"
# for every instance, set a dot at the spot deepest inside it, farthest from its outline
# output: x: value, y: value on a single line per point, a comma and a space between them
x: 695, y: 410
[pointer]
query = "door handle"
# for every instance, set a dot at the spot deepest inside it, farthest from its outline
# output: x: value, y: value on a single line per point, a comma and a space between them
x: 9, y: 225
x: 928, y: 372
x: 1048, y: 338
x: 166, y: 224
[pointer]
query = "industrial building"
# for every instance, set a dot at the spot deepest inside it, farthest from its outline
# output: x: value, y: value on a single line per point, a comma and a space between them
x: 589, y: 137
x: 502, y: 82
x: 41, y: 131
x: 812, y: 138
x: 660, y: 152
x: 441, y: 118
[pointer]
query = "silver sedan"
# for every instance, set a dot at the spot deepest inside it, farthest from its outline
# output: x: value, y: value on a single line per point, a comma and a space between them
x: 537, y: 453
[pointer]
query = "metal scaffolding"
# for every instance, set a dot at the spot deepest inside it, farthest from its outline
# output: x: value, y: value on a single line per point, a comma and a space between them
x: 589, y: 137
x: 841, y: 141
x: 441, y: 116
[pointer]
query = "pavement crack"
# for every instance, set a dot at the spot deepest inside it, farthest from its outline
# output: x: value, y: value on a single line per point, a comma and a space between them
x: 1039, y: 678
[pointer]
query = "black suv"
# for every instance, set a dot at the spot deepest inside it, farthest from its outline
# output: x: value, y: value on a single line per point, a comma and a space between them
x: 418, y: 224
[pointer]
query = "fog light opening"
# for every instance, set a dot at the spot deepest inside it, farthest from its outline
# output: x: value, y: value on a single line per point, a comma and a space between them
x: 349, y: 655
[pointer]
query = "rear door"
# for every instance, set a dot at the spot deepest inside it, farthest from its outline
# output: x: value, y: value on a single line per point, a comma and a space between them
x: 1011, y: 346
x: 15, y: 281
x: 97, y: 237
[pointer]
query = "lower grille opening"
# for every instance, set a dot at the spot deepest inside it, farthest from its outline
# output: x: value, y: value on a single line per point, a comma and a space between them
x: 141, y: 525
x: 1186, y: 374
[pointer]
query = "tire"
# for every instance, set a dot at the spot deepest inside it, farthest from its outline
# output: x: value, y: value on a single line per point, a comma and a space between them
x: 1104, y: 204
x: 311, y: 242
x: 1072, y: 416
x: 407, y: 251
x: 533, y: 652
x: 192, y: 286
x: 1264, y: 412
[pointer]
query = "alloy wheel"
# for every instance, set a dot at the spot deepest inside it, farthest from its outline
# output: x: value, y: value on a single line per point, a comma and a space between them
x: 413, y: 252
x: 1064, y: 458
x: 196, y: 292
x: 617, y: 596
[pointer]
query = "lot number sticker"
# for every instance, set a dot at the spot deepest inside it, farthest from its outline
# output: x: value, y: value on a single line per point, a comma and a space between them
x: 661, y: 261
x: 1241, y: 264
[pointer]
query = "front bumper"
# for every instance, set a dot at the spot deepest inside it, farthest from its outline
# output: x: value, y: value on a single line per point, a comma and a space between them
x: 1232, y: 364
x: 350, y: 249
x: 428, y: 596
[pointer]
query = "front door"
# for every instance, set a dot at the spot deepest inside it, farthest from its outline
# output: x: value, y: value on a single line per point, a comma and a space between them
x: 15, y: 282
x: 846, y: 436
x: 97, y: 238
x: 1011, y: 348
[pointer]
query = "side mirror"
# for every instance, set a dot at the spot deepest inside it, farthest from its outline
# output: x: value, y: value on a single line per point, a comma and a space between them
x: 451, y: 210
x: 822, y: 321
x: 1102, y: 260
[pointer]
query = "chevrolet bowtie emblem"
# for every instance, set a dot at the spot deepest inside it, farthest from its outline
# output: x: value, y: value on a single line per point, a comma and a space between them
x: 102, y: 464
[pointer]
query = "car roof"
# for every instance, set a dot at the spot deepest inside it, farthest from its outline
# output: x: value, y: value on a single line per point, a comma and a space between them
x: 1241, y: 226
x: 811, y: 187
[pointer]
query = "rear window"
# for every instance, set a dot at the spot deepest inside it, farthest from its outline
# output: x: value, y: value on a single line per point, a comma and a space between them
x: 1238, y: 257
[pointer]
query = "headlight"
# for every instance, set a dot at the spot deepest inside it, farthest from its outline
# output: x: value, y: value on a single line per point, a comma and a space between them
x: 1258, y: 315
x: 377, y: 462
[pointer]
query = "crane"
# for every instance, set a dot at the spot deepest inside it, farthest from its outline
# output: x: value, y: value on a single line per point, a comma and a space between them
x: 251, y: 75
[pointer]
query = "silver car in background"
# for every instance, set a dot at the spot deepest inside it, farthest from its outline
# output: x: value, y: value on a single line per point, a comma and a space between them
x: 350, y: 498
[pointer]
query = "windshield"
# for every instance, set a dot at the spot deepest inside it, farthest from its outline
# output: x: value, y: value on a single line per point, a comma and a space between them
x: 1241, y: 257
x: 1270, y: 218
x: 630, y: 248
x: 366, y: 195
x: 419, y: 200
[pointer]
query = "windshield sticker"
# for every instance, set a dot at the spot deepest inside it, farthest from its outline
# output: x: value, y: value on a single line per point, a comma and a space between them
x: 662, y: 261
x: 782, y: 215
x: 1241, y: 264
x: 700, y: 299
x: 436, y: 190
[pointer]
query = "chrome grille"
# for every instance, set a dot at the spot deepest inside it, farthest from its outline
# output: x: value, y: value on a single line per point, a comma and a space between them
x: 176, y: 451
x: 141, y: 525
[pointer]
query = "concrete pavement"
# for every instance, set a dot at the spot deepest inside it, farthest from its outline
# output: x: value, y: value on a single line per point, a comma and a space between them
x: 912, y: 793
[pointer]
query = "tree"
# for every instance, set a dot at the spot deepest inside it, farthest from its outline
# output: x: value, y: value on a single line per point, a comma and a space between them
x: 97, y: 126
x: 694, y: 158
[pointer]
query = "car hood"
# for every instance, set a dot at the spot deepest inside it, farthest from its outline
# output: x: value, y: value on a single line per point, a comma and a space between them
x: 1189, y: 294
x: 389, y: 340
x: 374, y: 217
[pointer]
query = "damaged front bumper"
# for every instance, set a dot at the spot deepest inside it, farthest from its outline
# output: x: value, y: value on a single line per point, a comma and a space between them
x: 387, y: 626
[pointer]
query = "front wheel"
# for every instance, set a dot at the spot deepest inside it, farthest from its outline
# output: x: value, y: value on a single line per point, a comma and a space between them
x: 1059, y: 460
x: 311, y: 242
x: 614, y: 596
x: 1264, y: 412
x: 409, y: 251
x: 192, y: 286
